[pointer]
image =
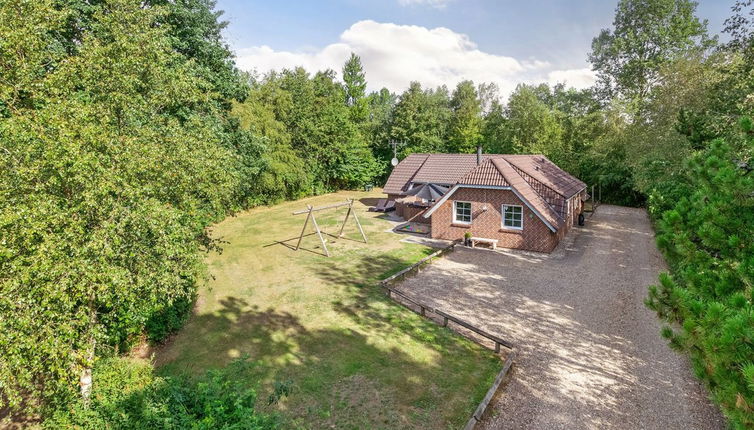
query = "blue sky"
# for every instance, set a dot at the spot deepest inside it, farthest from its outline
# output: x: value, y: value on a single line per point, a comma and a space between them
x: 503, y: 41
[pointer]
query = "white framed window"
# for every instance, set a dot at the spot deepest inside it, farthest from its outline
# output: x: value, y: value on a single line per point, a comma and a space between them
x: 462, y: 212
x: 513, y: 217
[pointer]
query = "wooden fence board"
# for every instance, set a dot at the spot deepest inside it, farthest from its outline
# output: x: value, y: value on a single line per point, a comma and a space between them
x: 477, y: 416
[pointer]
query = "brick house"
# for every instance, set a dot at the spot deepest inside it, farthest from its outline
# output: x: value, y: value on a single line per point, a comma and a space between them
x: 522, y: 201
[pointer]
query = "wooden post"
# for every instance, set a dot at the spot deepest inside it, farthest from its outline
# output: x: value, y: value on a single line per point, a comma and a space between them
x: 444, y: 321
x: 358, y: 224
x: 345, y: 220
x: 319, y: 233
x: 304, y: 229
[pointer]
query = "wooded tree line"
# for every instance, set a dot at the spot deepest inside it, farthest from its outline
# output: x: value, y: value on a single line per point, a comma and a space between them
x: 126, y: 130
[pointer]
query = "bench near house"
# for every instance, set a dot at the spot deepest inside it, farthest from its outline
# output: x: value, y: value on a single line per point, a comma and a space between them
x: 522, y: 201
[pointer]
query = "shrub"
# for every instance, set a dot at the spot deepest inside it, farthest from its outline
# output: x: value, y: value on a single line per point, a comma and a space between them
x: 128, y: 395
x: 169, y: 319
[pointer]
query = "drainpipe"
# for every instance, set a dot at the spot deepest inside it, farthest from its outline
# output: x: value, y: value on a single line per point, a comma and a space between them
x: 478, y: 155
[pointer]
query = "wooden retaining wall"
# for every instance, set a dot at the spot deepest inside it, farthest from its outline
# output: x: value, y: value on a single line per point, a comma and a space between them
x: 446, y: 318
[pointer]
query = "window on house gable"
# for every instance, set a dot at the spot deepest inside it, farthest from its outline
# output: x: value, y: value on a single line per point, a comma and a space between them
x: 513, y: 217
x: 462, y: 212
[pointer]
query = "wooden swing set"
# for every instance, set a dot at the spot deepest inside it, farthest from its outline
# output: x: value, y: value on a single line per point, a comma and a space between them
x: 310, y: 210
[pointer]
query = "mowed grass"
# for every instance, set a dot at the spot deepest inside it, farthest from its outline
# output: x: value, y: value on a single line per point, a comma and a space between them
x: 353, y: 358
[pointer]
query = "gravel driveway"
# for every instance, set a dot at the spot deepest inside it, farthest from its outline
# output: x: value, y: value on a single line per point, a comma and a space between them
x: 589, y: 353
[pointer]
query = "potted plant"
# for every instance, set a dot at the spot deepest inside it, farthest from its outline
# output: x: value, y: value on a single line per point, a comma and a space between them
x: 467, y: 238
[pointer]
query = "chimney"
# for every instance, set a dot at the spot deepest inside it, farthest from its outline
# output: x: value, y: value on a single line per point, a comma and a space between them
x: 478, y: 155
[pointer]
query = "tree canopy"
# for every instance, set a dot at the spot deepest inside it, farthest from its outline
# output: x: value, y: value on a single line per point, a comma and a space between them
x: 646, y: 35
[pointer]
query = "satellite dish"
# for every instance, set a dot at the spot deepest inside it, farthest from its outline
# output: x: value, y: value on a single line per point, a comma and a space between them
x: 394, y: 161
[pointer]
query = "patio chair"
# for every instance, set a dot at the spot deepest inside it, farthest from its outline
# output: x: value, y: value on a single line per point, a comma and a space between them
x: 379, y: 207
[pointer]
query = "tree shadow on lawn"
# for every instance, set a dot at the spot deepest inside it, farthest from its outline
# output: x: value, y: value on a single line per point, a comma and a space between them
x: 342, y: 378
x: 367, y: 304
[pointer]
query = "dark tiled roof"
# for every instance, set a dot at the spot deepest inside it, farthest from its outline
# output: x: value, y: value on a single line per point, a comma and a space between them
x: 446, y: 168
x: 485, y: 174
x: 547, y: 173
x: 403, y: 173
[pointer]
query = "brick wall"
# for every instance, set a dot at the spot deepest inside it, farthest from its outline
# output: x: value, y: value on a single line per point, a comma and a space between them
x: 411, y: 213
x: 535, y: 235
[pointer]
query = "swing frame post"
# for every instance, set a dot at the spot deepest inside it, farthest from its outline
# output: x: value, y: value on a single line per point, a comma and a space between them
x: 301, y: 236
x: 351, y: 211
x: 310, y: 210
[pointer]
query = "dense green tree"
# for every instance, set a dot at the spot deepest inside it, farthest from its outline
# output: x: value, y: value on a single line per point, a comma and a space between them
x: 532, y: 126
x: 495, y: 136
x: 420, y: 119
x: 355, y: 88
x: 381, y: 106
x: 606, y: 165
x: 195, y: 30
x: 465, y: 131
x: 343, y: 157
x: 646, y: 34
x: 586, y: 126
x: 673, y: 128
x: 283, y: 173
x: 321, y: 129
x: 107, y: 180
x: 129, y: 396
x: 708, y: 297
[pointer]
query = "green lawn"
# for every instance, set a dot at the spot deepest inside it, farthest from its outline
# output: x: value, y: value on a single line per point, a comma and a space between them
x: 354, y: 358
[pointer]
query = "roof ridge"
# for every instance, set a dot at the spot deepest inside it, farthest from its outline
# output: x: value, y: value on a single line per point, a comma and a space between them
x: 477, y: 175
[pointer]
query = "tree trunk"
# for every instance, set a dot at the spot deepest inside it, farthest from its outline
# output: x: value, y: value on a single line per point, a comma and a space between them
x: 85, y: 377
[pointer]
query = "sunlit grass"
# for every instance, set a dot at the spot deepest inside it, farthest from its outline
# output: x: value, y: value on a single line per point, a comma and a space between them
x: 354, y: 358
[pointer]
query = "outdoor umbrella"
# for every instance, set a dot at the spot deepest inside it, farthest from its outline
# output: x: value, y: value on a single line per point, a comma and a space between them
x: 428, y: 191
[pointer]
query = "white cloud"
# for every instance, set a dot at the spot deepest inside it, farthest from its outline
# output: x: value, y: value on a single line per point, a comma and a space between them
x: 394, y: 55
x: 439, y: 4
x: 578, y: 78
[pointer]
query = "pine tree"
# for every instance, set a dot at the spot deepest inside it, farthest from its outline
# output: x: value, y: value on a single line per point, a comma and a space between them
x: 708, y: 299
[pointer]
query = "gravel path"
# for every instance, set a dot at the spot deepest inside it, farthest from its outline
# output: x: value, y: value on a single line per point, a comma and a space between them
x: 590, y: 353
